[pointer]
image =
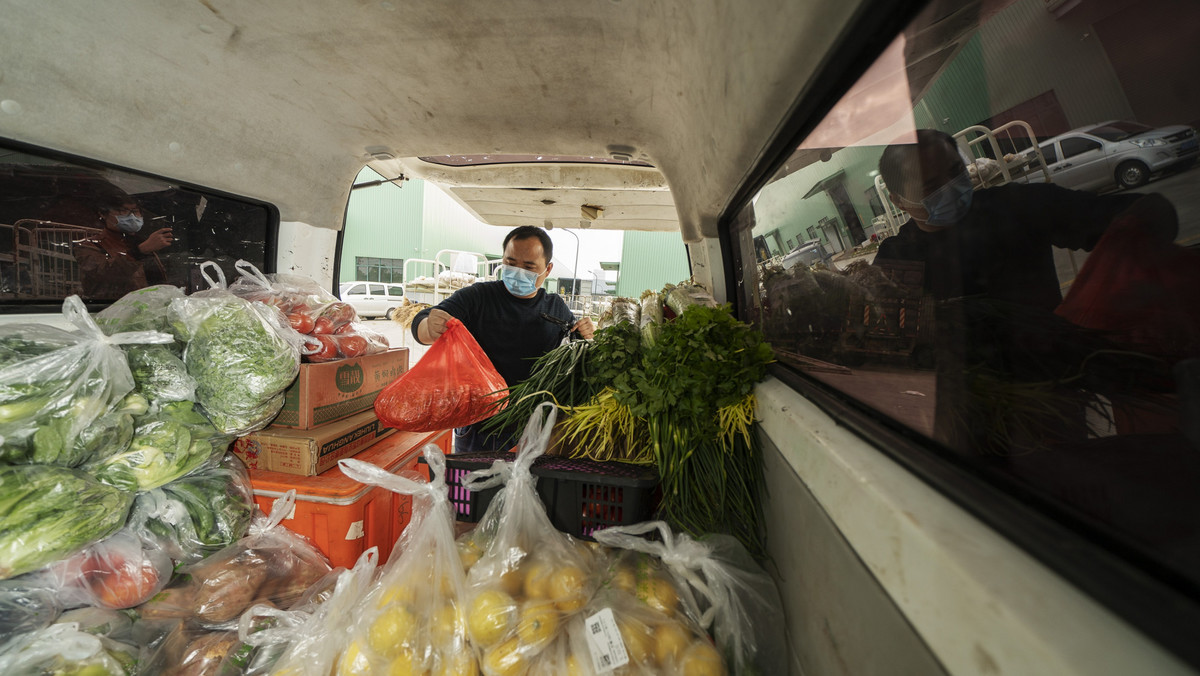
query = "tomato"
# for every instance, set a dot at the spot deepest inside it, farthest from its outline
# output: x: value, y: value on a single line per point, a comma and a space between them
x: 301, y: 322
x: 118, y: 583
x: 340, y: 313
x: 323, y: 326
x: 328, y: 351
x: 352, y: 345
x: 345, y: 328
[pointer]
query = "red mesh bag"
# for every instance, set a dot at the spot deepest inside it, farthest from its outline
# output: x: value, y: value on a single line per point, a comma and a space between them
x: 453, y: 385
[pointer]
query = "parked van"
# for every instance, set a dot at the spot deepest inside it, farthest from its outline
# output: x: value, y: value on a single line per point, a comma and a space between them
x: 1022, y: 499
x: 372, y: 299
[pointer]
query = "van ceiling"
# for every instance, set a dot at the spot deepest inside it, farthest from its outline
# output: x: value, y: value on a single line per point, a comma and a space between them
x: 285, y: 100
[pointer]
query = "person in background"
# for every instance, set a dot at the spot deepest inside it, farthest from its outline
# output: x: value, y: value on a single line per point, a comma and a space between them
x: 989, y: 263
x: 111, y: 262
x: 508, y: 318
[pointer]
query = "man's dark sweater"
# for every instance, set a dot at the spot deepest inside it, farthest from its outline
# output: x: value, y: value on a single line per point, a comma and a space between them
x: 511, y: 330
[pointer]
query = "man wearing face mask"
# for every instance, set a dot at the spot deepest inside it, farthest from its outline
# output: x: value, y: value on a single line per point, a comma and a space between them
x: 508, y: 318
x: 996, y: 242
x: 111, y: 262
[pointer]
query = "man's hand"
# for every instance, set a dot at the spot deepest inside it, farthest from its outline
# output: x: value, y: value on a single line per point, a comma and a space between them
x: 157, y: 241
x: 585, y: 328
x: 433, y: 326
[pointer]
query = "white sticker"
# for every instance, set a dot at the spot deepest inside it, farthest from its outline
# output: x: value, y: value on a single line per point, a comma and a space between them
x: 356, y: 531
x: 604, y: 641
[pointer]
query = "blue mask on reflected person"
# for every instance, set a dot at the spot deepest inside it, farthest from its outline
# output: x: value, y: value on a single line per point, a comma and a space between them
x: 129, y: 223
x: 950, y: 203
x: 518, y: 281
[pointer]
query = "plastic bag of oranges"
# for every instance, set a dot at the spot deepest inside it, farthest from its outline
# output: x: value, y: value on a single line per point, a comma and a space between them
x: 713, y: 582
x: 412, y: 621
x: 526, y: 579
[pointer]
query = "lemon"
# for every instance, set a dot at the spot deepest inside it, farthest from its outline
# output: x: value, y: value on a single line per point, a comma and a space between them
x: 490, y: 616
x: 446, y: 626
x: 573, y: 668
x: 405, y: 663
x: 537, y: 581
x: 659, y: 594
x: 637, y: 639
x: 701, y: 659
x: 457, y: 664
x: 395, y: 627
x: 624, y: 579
x: 354, y: 661
x: 670, y: 640
x: 505, y: 659
x: 403, y: 593
x: 537, y: 625
x: 512, y: 582
x: 567, y: 589
x: 468, y: 553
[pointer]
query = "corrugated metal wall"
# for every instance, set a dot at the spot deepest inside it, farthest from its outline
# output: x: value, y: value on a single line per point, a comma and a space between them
x: 448, y: 225
x: 650, y: 260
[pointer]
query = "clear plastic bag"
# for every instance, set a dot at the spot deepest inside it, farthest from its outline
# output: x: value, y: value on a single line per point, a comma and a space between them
x: 65, y: 649
x: 168, y: 442
x: 530, y: 579
x: 307, y: 639
x: 453, y: 385
x: 271, y: 565
x: 199, y: 514
x: 54, y: 384
x: 413, y: 619
x: 241, y: 353
x: 158, y: 372
x: 717, y: 584
x: 48, y: 513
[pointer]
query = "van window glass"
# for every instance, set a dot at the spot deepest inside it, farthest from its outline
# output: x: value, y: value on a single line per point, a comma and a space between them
x: 376, y: 289
x: 357, y: 290
x: 1044, y: 336
x: 395, y: 291
x: 1076, y: 146
x: 70, y: 227
x: 1049, y: 153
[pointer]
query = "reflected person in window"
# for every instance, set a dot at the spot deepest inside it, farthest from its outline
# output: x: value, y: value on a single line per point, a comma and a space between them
x: 988, y: 259
x: 111, y: 262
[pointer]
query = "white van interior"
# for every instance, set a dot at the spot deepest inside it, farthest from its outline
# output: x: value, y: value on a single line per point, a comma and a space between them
x: 752, y: 129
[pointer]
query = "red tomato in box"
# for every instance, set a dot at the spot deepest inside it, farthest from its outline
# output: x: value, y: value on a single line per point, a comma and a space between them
x: 301, y: 322
x: 323, y: 326
x: 328, y: 351
x: 352, y: 345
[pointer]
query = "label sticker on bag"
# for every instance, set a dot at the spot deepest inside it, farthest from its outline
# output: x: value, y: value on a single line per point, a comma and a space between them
x: 356, y: 531
x: 604, y: 641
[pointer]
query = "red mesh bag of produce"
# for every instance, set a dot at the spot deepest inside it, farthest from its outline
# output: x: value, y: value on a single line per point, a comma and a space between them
x: 453, y: 385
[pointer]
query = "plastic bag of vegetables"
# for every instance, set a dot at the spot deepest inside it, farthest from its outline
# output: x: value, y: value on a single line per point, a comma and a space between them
x: 270, y: 565
x: 199, y: 514
x: 64, y: 649
x: 307, y: 638
x: 118, y: 572
x: 24, y: 610
x: 158, y: 372
x: 54, y: 384
x: 168, y: 443
x: 241, y: 354
x: 413, y: 619
x: 530, y: 579
x: 47, y: 513
x: 713, y: 581
x: 453, y: 385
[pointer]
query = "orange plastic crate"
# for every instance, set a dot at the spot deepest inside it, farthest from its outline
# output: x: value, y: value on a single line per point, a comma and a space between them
x: 344, y: 517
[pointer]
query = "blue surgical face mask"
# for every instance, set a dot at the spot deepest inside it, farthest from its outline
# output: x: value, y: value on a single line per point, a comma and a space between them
x: 129, y: 223
x: 950, y: 203
x: 518, y: 281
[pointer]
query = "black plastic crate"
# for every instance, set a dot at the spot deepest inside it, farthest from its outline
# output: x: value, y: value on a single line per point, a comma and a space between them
x: 580, y: 496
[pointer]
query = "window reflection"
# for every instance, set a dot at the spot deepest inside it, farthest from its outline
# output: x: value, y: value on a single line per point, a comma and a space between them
x: 70, y: 229
x: 990, y: 241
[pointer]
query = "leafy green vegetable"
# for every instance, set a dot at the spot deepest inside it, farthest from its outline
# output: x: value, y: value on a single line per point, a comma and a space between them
x: 240, y: 361
x: 159, y: 374
x: 47, y: 513
x: 166, y: 445
x: 147, y: 309
x: 201, y: 513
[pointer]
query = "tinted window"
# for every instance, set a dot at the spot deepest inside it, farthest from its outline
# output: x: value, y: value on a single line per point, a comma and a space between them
x: 1043, y: 338
x: 376, y: 289
x: 1118, y: 131
x: 1075, y: 146
x: 1049, y: 153
x: 395, y: 291
x: 357, y: 289
x: 71, y: 227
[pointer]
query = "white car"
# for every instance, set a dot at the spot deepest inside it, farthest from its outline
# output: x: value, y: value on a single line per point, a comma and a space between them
x: 372, y: 299
x: 1116, y: 153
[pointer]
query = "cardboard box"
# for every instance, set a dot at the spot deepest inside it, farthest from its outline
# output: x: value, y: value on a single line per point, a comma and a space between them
x: 341, y: 516
x: 335, y: 390
x: 309, y: 452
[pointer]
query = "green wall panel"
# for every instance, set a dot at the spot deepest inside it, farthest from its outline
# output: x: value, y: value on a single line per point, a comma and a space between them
x: 649, y: 260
